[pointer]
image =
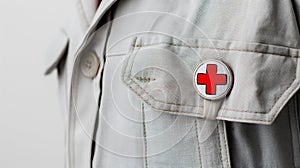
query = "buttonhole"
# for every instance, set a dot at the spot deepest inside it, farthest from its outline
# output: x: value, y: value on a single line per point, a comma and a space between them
x: 145, y: 79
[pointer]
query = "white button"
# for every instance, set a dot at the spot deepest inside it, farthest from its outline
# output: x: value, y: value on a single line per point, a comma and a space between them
x: 90, y: 65
x: 213, y: 79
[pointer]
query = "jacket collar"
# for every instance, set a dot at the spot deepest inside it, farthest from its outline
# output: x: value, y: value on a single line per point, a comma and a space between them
x: 87, y: 9
x: 91, y: 14
x: 103, y: 7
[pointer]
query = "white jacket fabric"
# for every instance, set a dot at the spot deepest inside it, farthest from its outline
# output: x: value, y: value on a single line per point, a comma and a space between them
x: 126, y: 72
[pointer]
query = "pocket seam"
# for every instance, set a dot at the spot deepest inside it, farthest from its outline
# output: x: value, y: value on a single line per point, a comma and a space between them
x: 136, y: 47
x: 224, y: 108
x: 215, y: 48
x: 151, y: 105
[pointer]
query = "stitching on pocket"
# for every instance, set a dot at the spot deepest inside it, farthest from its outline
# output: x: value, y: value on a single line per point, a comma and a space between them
x: 227, y: 109
x: 251, y: 119
x: 132, y: 79
x: 264, y: 112
x: 147, y: 102
x: 222, y: 49
x: 224, y: 108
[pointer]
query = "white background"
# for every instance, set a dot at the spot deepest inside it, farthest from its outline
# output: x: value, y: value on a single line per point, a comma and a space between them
x: 31, y: 125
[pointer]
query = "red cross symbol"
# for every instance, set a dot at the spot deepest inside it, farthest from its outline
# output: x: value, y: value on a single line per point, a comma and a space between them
x: 211, y: 79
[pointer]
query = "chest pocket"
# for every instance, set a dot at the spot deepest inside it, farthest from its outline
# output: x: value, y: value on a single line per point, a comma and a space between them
x: 159, y: 70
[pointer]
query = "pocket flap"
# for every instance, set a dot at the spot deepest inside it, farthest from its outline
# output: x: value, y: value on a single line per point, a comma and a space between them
x: 56, y: 51
x: 160, y: 71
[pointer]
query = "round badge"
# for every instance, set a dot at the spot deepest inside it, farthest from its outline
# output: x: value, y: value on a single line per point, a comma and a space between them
x: 213, y: 79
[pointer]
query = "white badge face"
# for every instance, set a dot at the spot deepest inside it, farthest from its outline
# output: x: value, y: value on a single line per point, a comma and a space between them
x: 212, y: 79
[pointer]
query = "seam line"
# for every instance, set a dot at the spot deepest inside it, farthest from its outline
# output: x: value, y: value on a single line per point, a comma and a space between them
x: 145, y: 137
x: 198, y: 143
x: 129, y: 76
x: 226, y: 144
x: 291, y: 136
x: 226, y: 109
x: 215, y: 48
x: 219, y: 144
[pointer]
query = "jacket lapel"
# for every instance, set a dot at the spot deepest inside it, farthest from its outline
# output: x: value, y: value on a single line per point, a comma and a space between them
x: 103, y: 7
x: 87, y: 8
x: 90, y: 13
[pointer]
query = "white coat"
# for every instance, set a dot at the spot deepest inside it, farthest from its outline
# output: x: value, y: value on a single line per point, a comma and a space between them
x: 126, y: 73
